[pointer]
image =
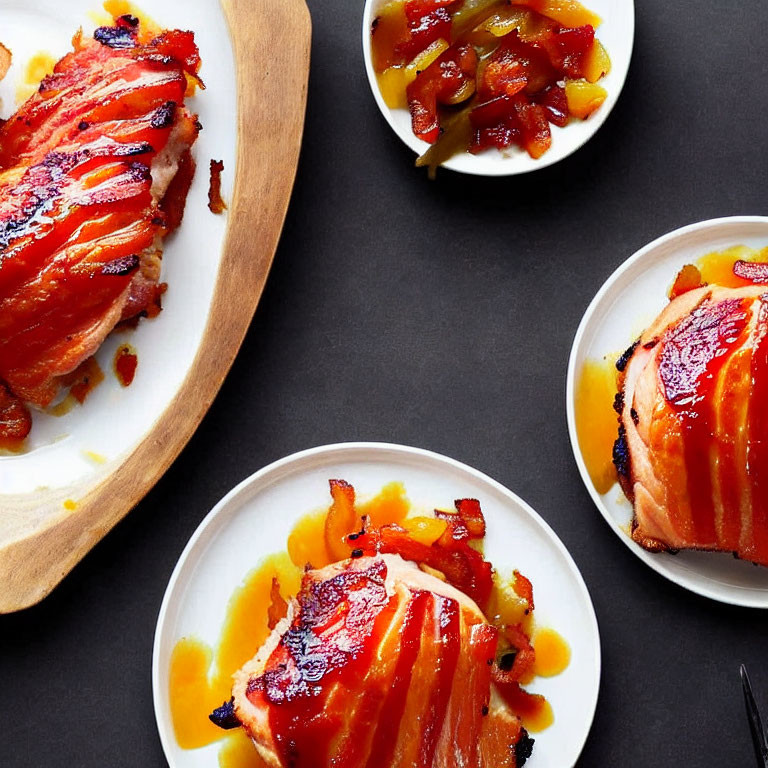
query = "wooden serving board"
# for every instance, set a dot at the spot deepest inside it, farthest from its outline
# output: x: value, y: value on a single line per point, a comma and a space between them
x: 41, y: 540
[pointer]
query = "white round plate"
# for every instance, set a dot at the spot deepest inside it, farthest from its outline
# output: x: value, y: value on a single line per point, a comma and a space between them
x: 617, y: 33
x: 627, y: 303
x: 255, y: 518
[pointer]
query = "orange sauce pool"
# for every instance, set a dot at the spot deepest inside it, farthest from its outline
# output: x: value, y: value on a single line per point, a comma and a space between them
x: 536, y: 714
x: 40, y: 65
x: 717, y: 267
x: 200, y: 677
x: 596, y: 420
x: 553, y: 654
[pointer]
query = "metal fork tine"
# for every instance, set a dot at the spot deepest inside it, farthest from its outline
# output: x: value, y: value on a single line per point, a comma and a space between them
x: 755, y: 722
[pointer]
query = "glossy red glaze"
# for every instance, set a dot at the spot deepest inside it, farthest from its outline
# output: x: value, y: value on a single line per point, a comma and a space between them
x: 428, y: 20
x: 511, y: 120
x: 554, y: 101
x: 757, y: 431
x: 446, y: 613
x: 330, y: 643
x: 692, y: 356
x: 567, y: 49
x: 385, y: 737
x: 754, y: 271
x: 75, y: 201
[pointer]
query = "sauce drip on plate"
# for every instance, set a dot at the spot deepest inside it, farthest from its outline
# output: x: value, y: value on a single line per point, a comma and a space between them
x: 125, y: 364
x: 596, y: 419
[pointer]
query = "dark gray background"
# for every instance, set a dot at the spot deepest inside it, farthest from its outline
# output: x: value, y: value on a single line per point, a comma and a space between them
x: 441, y: 315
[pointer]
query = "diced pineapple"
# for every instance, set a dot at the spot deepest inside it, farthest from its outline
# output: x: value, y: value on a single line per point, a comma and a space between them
x: 569, y: 13
x: 597, y: 63
x: 392, y: 84
x: 425, y: 530
x: 583, y: 97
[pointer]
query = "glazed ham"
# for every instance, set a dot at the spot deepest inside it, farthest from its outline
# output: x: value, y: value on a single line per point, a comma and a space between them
x: 378, y: 665
x: 692, y: 452
x: 88, y: 187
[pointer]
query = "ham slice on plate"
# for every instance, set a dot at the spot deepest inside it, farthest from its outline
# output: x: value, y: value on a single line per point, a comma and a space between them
x: 692, y: 452
x: 378, y: 665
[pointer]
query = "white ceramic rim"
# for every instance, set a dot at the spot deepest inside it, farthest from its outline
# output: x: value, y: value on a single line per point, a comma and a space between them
x: 653, y: 560
x: 516, y: 164
x: 281, y: 467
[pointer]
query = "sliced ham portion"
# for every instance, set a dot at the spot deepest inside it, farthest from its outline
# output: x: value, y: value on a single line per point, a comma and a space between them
x: 377, y: 665
x: 693, y: 446
x: 84, y: 166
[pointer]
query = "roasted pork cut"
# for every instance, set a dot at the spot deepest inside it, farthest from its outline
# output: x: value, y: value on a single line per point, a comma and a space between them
x: 692, y: 452
x: 378, y: 665
x: 88, y: 188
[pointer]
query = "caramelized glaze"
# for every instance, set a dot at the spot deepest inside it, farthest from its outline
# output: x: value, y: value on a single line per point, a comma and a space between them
x: 693, y: 414
x: 80, y: 225
x: 689, y: 380
x: 514, y: 71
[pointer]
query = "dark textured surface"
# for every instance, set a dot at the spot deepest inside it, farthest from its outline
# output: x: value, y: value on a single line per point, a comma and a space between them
x: 441, y: 315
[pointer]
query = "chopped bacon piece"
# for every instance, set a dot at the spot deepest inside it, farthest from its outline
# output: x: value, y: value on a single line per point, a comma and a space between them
x: 5, y: 61
x: 688, y: 279
x: 443, y: 80
x: 278, y: 608
x: 524, y: 589
x: 215, y: 202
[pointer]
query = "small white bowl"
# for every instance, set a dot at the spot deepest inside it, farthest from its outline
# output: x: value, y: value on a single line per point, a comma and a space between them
x: 627, y: 304
x: 617, y: 33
